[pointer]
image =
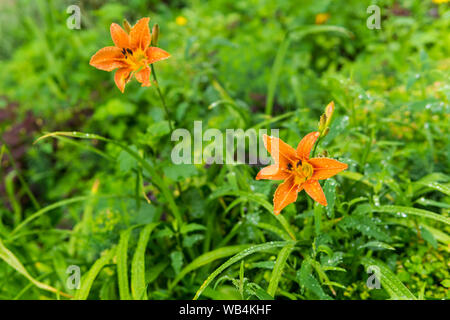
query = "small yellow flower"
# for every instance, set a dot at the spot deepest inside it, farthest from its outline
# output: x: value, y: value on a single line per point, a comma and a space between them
x: 321, y: 18
x: 181, y: 21
x: 440, y: 1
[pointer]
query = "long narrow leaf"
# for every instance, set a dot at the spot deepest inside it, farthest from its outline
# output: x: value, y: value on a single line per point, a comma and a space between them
x: 88, y: 280
x: 9, y: 257
x: 237, y: 257
x: 138, y: 284
x: 277, y: 271
x: 395, y: 288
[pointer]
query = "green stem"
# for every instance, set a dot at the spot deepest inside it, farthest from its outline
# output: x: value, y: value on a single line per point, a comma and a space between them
x: 161, y: 96
x: 169, y: 118
x: 315, y: 147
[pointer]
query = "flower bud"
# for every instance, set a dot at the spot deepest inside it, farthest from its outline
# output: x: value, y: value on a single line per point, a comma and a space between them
x: 155, y: 34
x: 126, y: 25
x: 322, y: 122
x: 329, y: 110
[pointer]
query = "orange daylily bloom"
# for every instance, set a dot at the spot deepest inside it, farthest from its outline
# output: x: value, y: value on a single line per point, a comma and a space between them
x: 298, y: 171
x: 131, y: 55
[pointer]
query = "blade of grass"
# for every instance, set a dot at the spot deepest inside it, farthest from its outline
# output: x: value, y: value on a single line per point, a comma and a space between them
x: 260, y: 200
x: 237, y: 257
x: 301, y: 32
x: 88, y: 280
x: 122, y: 265
x: 394, y: 287
x: 9, y: 257
x: 19, y: 175
x: 156, y: 178
x: 277, y: 271
x: 138, y: 284
x: 53, y: 206
x: 207, y: 258
x: 412, y: 211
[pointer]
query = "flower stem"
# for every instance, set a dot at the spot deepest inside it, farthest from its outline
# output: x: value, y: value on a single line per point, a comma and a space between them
x: 161, y: 96
x: 315, y: 147
x: 169, y: 118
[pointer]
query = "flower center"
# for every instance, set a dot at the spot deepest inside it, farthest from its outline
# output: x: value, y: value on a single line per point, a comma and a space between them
x: 303, y: 171
x: 135, y: 59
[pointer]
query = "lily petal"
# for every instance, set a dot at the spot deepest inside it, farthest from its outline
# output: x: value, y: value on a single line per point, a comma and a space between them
x: 272, y: 172
x: 305, y: 145
x: 108, y: 59
x: 281, y: 152
x: 313, y: 188
x: 143, y: 76
x: 121, y: 78
x: 140, y: 35
x: 325, y: 168
x: 119, y: 36
x: 285, y: 194
x: 155, y: 54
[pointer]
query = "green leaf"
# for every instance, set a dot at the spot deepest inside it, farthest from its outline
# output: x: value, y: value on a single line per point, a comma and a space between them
x: 258, y: 198
x: 177, y: 261
x: 236, y: 258
x: 277, y: 271
x: 122, y: 265
x: 191, y: 227
x: 307, y: 281
x: 428, y: 237
x: 88, y: 280
x: 330, y: 194
x: 157, y: 179
x: 138, y: 284
x: 365, y: 225
x: 9, y: 257
x: 376, y: 245
x: 207, y: 258
x: 394, y: 287
x: 412, y: 211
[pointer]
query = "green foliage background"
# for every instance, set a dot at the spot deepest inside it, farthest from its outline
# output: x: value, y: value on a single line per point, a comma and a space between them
x: 69, y: 201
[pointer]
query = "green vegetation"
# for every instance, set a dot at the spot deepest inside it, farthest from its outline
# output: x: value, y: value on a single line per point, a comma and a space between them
x: 100, y: 190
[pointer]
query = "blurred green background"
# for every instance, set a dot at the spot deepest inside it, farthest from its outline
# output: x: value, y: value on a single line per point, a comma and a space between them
x: 277, y: 63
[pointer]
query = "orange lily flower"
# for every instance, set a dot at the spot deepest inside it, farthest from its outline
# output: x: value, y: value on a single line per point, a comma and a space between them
x: 131, y: 55
x: 298, y: 171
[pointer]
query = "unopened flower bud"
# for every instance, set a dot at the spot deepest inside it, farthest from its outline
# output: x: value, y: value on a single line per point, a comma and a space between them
x: 329, y: 110
x: 325, y: 132
x: 322, y: 122
x: 155, y: 34
x: 126, y: 25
